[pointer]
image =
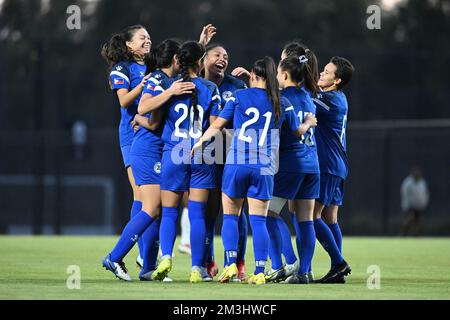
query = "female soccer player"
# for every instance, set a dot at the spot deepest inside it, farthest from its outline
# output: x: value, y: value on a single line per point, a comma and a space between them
x: 298, y: 178
x: 332, y: 109
x: 125, y: 54
x: 146, y: 152
x: 186, y: 117
x: 258, y: 114
x: 215, y: 64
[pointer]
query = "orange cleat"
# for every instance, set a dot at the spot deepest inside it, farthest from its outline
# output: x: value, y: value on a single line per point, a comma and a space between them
x: 241, y: 270
x: 212, y: 269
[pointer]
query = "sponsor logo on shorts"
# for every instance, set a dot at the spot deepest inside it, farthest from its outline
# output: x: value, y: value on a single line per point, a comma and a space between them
x: 157, y: 167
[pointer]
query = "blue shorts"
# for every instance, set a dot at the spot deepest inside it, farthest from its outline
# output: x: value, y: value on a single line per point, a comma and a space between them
x: 331, y: 189
x: 291, y: 185
x: 241, y: 182
x: 146, y: 170
x: 181, y: 177
x: 126, y: 155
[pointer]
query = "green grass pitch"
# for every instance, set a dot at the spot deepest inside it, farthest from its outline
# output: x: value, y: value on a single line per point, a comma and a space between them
x: 36, y: 268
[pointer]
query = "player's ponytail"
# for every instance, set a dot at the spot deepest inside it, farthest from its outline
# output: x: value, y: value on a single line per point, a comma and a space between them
x: 162, y: 55
x: 300, y: 72
x: 188, y: 57
x: 116, y: 50
x: 267, y: 69
x: 296, y: 48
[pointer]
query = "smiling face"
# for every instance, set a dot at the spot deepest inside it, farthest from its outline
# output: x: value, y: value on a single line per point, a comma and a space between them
x: 328, y: 77
x: 216, y: 61
x: 140, y: 43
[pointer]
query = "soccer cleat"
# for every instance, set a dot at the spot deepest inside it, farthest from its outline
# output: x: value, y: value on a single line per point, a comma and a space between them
x: 163, y: 269
x: 336, y: 273
x: 290, y: 269
x: 229, y: 273
x: 139, y: 262
x: 146, y: 276
x: 298, y: 279
x: 184, y: 248
x: 199, y: 274
x: 167, y: 279
x: 118, y: 268
x: 276, y: 275
x: 257, y: 279
x: 311, y: 277
x: 241, y: 272
x: 212, y: 269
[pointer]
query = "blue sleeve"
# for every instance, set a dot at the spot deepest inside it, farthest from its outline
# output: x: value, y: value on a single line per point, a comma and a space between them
x: 155, y: 87
x: 119, y: 77
x: 216, y: 103
x: 322, y: 103
x: 291, y: 118
x: 228, y: 110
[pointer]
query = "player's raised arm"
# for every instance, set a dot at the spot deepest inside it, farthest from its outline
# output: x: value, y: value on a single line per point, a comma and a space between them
x: 155, y: 96
x: 207, y: 34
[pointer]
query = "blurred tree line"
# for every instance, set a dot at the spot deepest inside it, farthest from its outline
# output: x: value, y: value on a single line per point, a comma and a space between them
x: 50, y: 75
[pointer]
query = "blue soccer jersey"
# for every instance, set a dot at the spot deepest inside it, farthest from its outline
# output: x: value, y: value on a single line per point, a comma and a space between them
x: 181, y: 124
x: 127, y: 75
x: 332, y: 109
x: 147, y: 142
x: 228, y: 86
x: 256, y: 133
x: 299, y: 154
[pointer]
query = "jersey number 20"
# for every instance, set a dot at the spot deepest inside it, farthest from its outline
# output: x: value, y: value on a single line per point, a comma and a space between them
x: 195, y: 130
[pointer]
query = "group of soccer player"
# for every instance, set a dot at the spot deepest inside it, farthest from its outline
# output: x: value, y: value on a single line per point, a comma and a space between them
x: 188, y: 129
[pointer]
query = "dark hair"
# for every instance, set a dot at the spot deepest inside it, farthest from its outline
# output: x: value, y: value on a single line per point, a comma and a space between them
x: 115, y: 50
x: 189, y: 55
x: 214, y: 45
x: 267, y: 69
x: 296, y: 48
x: 162, y: 55
x: 300, y: 72
x: 344, y: 70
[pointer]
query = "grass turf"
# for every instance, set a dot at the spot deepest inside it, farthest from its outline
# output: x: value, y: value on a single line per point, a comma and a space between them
x: 36, y: 268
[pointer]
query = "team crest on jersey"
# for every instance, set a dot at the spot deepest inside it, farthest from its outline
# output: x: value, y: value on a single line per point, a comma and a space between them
x: 157, y: 167
x: 227, y: 95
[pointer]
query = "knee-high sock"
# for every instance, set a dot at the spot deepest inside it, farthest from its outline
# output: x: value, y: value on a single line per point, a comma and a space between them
x: 337, y: 234
x: 308, y: 243
x: 197, y: 212
x: 230, y: 237
x: 209, y: 240
x: 168, y: 230
x: 326, y: 239
x: 275, y: 243
x: 135, y: 209
x: 130, y: 234
x: 287, y: 249
x: 243, y: 232
x: 298, y: 241
x: 150, y: 239
x: 260, y: 241
x: 185, y: 227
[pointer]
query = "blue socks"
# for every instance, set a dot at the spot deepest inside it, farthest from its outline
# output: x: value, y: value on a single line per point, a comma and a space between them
x: 260, y: 241
x: 209, y: 240
x: 243, y: 231
x: 197, y: 212
x: 337, y: 234
x: 326, y: 239
x: 130, y: 234
x: 230, y: 237
x: 308, y: 243
x: 275, y: 245
x: 168, y: 229
x: 150, y: 239
x: 135, y: 209
x: 286, y: 249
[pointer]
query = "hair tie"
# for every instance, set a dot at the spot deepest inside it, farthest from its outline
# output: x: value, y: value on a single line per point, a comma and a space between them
x: 302, y: 59
x: 307, y: 50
